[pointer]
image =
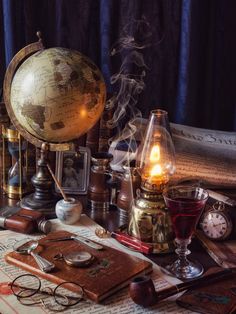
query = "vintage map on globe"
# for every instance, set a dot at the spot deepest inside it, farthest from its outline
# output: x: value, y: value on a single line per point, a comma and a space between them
x: 57, y: 94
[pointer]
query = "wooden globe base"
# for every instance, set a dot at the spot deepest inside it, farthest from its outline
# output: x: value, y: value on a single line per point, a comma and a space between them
x: 44, y: 198
x: 44, y: 206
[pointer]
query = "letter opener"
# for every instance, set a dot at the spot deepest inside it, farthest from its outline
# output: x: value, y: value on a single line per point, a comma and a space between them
x: 80, y: 239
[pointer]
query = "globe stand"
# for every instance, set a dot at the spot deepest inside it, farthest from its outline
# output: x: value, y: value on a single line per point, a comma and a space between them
x: 43, y: 199
x: 53, y: 108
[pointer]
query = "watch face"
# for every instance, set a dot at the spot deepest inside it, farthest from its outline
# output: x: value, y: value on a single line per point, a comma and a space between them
x: 216, y: 225
x: 79, y: 259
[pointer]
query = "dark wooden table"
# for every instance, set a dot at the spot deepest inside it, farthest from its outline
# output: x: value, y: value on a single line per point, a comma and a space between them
x: 111, y: 220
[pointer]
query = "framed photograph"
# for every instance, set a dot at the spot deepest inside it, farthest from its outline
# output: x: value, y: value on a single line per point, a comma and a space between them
x: 72, y: 170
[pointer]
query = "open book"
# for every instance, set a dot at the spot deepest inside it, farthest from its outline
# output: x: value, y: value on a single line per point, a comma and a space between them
x: 223, y: 253
x: 205, y: 155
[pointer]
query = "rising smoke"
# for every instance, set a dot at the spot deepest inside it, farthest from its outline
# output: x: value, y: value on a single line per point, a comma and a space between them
x: 130, y: 79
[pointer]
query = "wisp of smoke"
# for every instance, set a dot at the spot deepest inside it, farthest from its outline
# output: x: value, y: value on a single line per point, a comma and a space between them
x: 136, y: 36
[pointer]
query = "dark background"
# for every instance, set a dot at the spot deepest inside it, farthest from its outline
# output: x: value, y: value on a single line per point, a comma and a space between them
x: 189, y: 49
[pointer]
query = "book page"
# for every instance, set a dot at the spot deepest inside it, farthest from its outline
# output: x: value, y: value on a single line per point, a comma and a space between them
x: 223, y: 253
x: 120, y: 302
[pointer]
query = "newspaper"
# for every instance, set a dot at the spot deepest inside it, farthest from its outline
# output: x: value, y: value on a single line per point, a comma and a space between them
x: 205, y: 155
x: 208, y: 156
x: 116, y: 304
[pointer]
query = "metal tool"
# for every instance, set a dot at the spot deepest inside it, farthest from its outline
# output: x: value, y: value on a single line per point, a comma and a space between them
x: 80, y: 239
x: 27, y: 248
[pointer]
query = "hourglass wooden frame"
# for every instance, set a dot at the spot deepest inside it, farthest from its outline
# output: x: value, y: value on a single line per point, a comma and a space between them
x: 14, y: 191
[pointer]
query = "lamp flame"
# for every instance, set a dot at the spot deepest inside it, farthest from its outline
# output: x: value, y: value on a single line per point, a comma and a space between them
x: 155, y: 154
x: 156, y: 171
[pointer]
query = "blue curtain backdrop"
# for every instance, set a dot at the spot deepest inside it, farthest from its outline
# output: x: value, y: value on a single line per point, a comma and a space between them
x: 188, y: 47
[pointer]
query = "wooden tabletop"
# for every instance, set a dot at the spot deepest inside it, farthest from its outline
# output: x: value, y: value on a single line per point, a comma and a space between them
x: 111, y: 220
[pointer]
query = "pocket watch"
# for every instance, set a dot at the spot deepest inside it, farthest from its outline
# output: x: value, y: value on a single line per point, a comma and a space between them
x: 77, y: 259
x: 217, y: 223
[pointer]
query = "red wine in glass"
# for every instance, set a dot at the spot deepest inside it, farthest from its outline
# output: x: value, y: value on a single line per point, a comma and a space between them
x: 185, y: 205
x: 185, y: 213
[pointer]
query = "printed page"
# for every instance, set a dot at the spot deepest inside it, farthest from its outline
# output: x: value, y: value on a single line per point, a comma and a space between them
x: 205, y: 155
x: 207, y: 170
x: 120, y: 302
x: 201, y: 154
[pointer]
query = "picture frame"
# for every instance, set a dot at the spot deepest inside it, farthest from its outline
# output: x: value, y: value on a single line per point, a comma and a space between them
x: 72, y: 170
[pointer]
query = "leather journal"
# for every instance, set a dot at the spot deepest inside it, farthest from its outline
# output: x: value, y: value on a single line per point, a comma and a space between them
x: 110, y: 271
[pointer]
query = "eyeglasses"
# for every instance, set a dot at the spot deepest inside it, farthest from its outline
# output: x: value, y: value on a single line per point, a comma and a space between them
x: 27, y: 289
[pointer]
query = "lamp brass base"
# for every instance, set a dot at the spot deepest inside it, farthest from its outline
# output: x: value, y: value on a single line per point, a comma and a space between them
x: 150, y: 222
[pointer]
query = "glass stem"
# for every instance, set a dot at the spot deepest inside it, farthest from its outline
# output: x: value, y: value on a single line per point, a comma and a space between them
x: 183, y: 251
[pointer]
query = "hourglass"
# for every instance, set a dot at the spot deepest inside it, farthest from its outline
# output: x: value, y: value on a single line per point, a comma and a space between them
x: 14, y: 163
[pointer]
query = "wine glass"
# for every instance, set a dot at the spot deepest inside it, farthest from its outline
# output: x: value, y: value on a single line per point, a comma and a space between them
x: 185, y: 205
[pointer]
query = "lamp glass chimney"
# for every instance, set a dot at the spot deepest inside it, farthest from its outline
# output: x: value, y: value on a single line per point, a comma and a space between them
x: 157, y: 154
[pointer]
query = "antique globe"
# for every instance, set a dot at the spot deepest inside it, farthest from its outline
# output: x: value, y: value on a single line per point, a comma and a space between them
x: 56, y: 95
x: 52, y: 96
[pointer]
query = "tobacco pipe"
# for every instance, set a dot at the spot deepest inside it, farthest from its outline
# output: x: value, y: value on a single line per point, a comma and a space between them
x: 142, y: 290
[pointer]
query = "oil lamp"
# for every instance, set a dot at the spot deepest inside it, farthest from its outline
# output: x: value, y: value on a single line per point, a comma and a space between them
x: 149, y: 218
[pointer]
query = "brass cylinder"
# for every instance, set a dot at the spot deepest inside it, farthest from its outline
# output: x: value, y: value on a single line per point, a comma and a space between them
x: 98, y: 190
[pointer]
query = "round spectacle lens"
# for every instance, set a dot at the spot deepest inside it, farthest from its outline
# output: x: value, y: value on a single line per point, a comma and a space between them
x: 25, y: 286
x: 66, y: 297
